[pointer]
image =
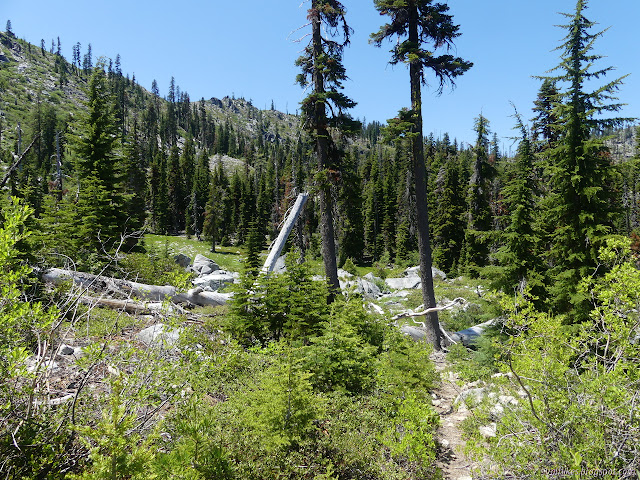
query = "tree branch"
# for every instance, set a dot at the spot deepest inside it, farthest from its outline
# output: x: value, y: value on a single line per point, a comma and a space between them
x: 453, y: 303
x: 17, y: 162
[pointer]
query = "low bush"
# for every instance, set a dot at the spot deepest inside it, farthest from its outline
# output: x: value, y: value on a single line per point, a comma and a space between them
x: 581, y: 384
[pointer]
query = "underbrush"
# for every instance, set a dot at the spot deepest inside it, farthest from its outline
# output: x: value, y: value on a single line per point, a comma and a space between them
x: 278, y: 384
x: 579, y: 384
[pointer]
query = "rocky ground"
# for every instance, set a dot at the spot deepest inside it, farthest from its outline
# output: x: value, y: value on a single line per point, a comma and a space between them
x: 451, y: 458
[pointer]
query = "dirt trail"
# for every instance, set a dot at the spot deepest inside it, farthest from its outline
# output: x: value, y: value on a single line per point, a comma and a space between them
x: 451, y: 459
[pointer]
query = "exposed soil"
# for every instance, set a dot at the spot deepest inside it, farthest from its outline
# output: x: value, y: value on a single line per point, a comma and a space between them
x: 451, y: 459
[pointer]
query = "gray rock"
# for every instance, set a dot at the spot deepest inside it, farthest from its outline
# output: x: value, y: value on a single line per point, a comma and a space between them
x: 411, y: 279
x: 402, y: 293
x: 34, y: 363
x: 372, y: 278
x: 496, y: 411
x: 344, y: 274
x: 405, y: 283
x: 183, y: 260
x: 66, y: 350
x: 364, y: 287
x: 508, y: 400
x: 416, y: 333
x: 436, y: 273
x: 203, y: 265
x: 412, y: 272
x: 469, y: 336
x: 415, y: 272
x: 159, y: 335
x: 472, y: 396
x: 213, y: 282
x: 488, y: 430
x: 368, y: 288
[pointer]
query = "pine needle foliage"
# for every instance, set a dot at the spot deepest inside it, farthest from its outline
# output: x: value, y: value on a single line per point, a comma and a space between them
x: 519, y: 256
x: 580, y: 168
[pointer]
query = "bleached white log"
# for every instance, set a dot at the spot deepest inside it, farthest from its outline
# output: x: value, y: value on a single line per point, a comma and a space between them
x: 137, y: 290
x: 289, y: 222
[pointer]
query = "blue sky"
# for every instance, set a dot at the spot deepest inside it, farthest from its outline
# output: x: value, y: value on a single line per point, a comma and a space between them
x: 248, y: 49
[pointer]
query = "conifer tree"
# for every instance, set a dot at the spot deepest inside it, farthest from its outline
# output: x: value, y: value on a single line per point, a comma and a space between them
x: 350, y: 222
x: 87, y: 61
x: 322, y: 68
x: 175, y: 195
x: 255, y: 245
x: 96, y: 147
x: 543, y: 133
x: 158, y: 193
x: 579, y: 167
x: 448, y: 228
x: 134, y: 170
x: 199, y: 194
x: 479, y: 217
x: 187, y: 164
x: 417, y: 23
x: 519, y: 256
x: 372, y: 199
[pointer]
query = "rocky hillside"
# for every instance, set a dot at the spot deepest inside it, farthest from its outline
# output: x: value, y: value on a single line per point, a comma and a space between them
x: 30, y: 76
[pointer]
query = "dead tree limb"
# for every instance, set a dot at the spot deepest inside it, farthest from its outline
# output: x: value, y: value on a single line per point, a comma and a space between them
x: 453, y: 303
x: 16, y: 164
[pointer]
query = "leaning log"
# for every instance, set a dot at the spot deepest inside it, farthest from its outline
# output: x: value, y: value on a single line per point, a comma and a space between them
x: 129, y: 289
x: 289, y: 222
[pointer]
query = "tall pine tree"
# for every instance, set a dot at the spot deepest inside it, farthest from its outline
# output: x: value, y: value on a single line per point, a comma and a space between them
x: 479, y: 216
x: 95, y: 144
x: 416, y: 24
x: 582, y: 176
x: 322, y: 68
x: 519, y: 256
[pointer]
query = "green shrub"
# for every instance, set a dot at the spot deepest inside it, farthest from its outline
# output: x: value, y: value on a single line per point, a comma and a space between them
x: 350, y: 267
x: 115, y: 452
x: 153, y: 267
x: 404, y: 366
x: 411, y: 433
x: 34, y: 439
x: 265, y: 307
x: 194, y: 453
x: 342, y: 358
x: 580, y: 412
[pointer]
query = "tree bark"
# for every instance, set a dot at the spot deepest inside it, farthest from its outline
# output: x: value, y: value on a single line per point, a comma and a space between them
x: 432, y: 324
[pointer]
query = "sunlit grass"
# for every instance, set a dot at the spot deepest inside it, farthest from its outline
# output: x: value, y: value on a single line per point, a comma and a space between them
x: 228, y: 258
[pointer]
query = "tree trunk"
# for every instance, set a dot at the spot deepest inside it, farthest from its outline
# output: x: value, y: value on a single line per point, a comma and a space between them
x: 322, y: 150
x: 419, y: 171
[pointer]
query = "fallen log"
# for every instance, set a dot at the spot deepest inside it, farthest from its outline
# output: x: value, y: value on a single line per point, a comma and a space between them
x: 128, y: 306
x: 129, y: 289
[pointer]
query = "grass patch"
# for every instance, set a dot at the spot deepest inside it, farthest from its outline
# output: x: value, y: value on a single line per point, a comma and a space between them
x: 229, y: 258
x: 100, y: 322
